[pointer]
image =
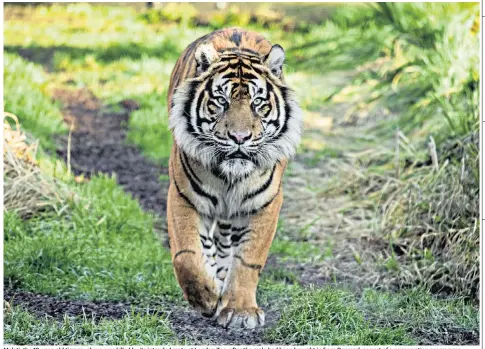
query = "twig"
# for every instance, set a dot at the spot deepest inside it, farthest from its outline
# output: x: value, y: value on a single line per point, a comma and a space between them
x: 433, y: 153
x: 69, y: 148
x: 398, y: 165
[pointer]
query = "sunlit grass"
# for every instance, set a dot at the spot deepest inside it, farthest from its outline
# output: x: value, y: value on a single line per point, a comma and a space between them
x: 330, y: 316
x: 26, y: 96
x: 114, y: 54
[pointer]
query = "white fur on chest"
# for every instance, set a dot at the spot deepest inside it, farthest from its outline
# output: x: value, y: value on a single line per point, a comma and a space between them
x: 231, y: 195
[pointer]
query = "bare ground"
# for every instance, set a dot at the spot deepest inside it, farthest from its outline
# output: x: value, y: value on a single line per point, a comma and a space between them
x: 186, y: 323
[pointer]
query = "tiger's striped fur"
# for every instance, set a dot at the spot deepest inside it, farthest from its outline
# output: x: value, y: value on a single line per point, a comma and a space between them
x: 235, y: 125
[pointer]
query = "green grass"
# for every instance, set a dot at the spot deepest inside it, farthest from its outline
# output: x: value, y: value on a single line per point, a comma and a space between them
x: 22, y: 328
x: 102, y: 247
x: 117, y: 55
x: 332, y: 316
x: 273, y: 275
x: 111, y: 52
x: 164, y: 178
x: 151, y: 122
x: 421, y: 313
x: 428, y: 210
x: 26, y: 96
x: 288, y: 249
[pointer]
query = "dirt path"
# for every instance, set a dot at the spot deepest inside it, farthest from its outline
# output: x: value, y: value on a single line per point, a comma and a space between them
x: 44, y: 305
x: 98, y: 144
x: 186, y: 323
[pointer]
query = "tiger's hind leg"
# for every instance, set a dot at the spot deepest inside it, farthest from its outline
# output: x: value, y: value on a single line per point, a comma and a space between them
x: 188, y: 258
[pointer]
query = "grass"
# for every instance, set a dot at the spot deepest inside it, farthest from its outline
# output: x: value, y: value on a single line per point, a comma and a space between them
x: 297, y: 251
x: 113, y: 53
x: 27, y: 190
x: 145, y: 127
x: 287, y: 248
x: 422, y: 314
x: 22, y: 328
x: 108, y: 251
x: 331, y: 316
x: 26, y: 96
x: 425, y: 194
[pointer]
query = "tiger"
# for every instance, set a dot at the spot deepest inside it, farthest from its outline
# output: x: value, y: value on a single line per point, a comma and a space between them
x: 235, y: 124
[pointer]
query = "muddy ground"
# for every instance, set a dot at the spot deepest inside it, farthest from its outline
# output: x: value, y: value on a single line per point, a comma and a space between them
x: 43, y: 305
x: 98, y: 144
x: 186, y: 323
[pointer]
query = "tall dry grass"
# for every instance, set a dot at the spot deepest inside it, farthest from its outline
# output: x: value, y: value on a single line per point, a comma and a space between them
x: 27, y: 191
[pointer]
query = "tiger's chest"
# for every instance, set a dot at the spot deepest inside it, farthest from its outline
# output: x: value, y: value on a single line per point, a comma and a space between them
x: 228, y: 200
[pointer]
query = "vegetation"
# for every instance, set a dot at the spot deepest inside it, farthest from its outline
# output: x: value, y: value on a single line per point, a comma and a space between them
x: 107, y: 252
x: 24, y: 329
x: 27, y: 189
x: 331, y: 317
x: 382, y: 200
x: 425, y: 188
x: 25, y: 88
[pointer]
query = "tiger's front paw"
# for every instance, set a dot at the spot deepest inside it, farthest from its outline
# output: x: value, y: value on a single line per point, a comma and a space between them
x: 202, y: 296
x: 241, y: 318
x: 199, y: 290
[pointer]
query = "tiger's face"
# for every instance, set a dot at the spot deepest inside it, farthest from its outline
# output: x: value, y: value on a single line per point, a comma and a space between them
x: 237, y: 114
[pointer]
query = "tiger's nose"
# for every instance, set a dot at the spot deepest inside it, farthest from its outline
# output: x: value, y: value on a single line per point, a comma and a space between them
x: 239, y: 137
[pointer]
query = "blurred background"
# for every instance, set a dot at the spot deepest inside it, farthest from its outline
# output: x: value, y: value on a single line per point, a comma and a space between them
x: 381, y: 201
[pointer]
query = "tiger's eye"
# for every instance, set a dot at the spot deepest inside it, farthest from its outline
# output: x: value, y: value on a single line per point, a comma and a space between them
x: 257, y: 101
x: 221, y: 100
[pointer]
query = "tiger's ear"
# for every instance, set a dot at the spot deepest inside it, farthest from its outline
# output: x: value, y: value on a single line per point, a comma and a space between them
x: 274, y: 60
x: 205, y: 55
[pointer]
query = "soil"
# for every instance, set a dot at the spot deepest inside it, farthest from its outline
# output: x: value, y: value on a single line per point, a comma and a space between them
x: 44, y: 305
x: 98, y: 144
x: 186, y: 323
x: 450, y: 335
x: 190, y: 325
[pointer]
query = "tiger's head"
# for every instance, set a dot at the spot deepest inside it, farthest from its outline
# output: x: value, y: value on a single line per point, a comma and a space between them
x: 236, y: 114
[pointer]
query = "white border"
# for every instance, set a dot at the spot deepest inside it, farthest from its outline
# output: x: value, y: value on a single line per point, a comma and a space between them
x: 1, y: 180
x: 482, y: 121
x: 481, y: 203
